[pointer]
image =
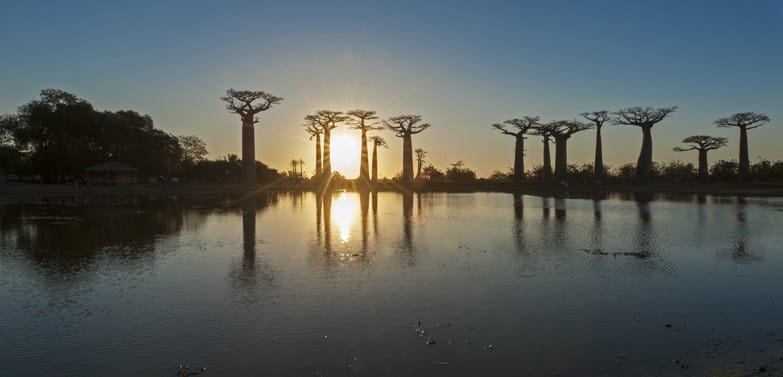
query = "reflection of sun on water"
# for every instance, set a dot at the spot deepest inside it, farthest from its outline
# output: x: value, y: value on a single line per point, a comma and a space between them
x: 346, y: 152
x: 344, y: 212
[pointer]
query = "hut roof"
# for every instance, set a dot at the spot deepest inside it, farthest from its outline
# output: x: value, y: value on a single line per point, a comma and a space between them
x: 112, y: 166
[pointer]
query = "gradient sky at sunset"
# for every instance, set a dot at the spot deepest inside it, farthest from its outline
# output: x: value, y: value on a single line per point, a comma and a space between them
x: 462, y: 65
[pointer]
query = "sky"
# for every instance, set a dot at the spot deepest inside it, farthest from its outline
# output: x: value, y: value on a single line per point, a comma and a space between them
x: 461, y: 65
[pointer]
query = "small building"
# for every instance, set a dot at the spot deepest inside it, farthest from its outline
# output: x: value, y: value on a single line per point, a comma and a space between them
x: 111, y: 173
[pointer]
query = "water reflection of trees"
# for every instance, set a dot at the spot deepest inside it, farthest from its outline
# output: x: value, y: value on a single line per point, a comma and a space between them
x: 69, y: 236
x: 252, y: 275
x: 341, y: 212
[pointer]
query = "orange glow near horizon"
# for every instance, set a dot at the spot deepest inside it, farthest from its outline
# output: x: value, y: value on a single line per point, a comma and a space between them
x: 346, y: 152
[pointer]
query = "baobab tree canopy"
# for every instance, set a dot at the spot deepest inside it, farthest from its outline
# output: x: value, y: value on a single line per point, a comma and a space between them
x: 248, y: 103
x: 747, y: 120
x: 642, y: 117
x: 518, y: 128
x: 404, y: 126
x: 645, y: 118
x: 702, y: 142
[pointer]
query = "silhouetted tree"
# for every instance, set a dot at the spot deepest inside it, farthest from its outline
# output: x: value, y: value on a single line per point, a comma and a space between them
x: 561, y: 132
x: 313, y: 127
x: 520, y: 129
x: 194, y: 149
x: 248, y: 103
x: 598, y: 118
x: 458, y: 173
x: 546, y: 132
x: 377, y: 141
x: 743, y: 121
x: 420, y: 154
x: 363, y: 120
x: 301, y: 167
x: 405, y: 126
x: 644, y: 118
x: 432, y: 173
x: 328, y: 121
x: 703, y: 144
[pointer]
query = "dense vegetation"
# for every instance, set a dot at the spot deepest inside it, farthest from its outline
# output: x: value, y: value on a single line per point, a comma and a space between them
x: 58, y: 135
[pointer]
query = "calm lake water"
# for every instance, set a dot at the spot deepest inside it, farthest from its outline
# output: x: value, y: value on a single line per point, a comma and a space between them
x: 298, y: 285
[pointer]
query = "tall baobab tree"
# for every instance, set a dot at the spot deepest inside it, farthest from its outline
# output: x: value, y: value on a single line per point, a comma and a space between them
x: 644, y: 118
x: 327, y: 120
x: 561, y: 132
x: 520, y: 128
x: 546, y: 132
x: 315, y: 130
x: 377, y: 141
x: 743, y: 121
x: 703, y: 144
x: 598, y: 118
x: 363, y: 120
x: 248, y: 103
x: 405, y: 126
x: 420, y: 154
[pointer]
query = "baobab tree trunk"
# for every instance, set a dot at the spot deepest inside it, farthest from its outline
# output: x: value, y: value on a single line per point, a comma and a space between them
x: 644, y: 163
x: 418, y: 168
x: 375, y: 163
x: 561, y: 158
x: 744, y: 161
x: 407, y: 159
x: 327, y: 153
x: 519, y: 158
x: 702, y: 163
x: 599, y: 156
x: 318, y: 164
x: 248, y: 153
x: 547, y: 159
x: 364, y: 168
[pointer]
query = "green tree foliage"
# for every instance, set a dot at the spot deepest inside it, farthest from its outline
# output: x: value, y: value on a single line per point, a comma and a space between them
x: 61, y: 134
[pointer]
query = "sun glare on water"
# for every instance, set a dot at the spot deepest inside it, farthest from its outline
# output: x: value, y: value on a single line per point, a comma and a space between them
x: 346, y: 152
x: 344, y: 212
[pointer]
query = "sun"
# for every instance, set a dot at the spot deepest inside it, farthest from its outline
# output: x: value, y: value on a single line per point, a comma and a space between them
x: 346, y: 152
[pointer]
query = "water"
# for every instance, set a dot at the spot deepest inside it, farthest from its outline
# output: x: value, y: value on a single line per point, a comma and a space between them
x: 295, y: 285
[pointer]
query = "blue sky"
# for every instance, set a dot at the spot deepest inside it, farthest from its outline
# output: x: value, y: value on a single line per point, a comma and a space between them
x: 461, y: 65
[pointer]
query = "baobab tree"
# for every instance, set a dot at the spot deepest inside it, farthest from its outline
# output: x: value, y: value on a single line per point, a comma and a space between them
x: 327, y: 120
x: 420, y: 154
x: 598, y: 118
x: 546, y: 132
x: 363, y: 120
x: 519, y: 128
x: 377, y: 141
x: 315, y: 130
x: 743, y: 121
x: 405, y: 126
x: 248, y: 103
x: 644, y: 118
x: 703, y: 144
x: 561, y: 132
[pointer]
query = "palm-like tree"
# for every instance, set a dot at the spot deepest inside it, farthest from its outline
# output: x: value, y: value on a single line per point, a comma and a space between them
x: 644, y: 118
x: 703, y: 144
x: 248, y: 103
x: 519, y: 128
x: 363, y: 120
x: 743, y: 121
x: 420, y: 154
x: 377, y: 141
x: 405, y: 126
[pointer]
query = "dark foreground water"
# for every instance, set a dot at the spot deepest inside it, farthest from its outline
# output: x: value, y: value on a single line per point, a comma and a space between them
x: 297, y: 285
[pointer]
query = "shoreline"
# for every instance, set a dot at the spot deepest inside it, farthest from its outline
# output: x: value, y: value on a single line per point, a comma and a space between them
x: 24, y: 191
